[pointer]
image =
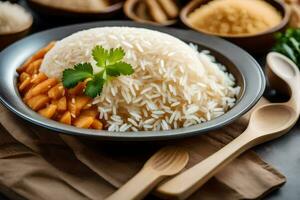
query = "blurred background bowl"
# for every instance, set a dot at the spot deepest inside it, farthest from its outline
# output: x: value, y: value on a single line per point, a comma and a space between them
x: 63, y: 13
x: 256, y: 43
x: 138, y: 11
x: 12, y: 36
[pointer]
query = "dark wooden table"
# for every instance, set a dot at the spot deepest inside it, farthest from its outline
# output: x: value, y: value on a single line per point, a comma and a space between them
x: 282, y: 153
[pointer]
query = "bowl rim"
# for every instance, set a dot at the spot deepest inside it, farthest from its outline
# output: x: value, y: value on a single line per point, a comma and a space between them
x: 241, y: 107
x: 109, y: 9
x: 285, y: 20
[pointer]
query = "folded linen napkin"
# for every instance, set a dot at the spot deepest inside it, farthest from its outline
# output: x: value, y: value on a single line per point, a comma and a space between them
x: 41, y: 164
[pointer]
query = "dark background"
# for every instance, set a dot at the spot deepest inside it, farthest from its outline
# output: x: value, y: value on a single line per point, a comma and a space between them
x: 282, y: 153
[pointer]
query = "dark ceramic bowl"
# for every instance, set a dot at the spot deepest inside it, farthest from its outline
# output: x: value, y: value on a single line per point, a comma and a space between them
x: 246, y: 70
x: 7, y: 39
x: 256, y: 43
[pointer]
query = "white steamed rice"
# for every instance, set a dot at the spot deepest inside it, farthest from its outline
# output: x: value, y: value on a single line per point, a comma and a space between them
x: 173, y: 85
x: 13, y: 18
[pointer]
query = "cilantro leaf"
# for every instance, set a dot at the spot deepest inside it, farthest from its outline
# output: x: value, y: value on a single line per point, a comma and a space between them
x: 112, y: 72
x: 112, y: 64
x: 71, y: 77
x: 119, y: 68
x: 100, y: 55
x: 94, y: 87
x: 115, y: 55
x: 87, y: 67
x: 104, y: 57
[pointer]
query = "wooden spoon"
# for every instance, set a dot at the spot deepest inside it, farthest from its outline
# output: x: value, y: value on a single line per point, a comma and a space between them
x: 166, y: 162
x: 266, y: 123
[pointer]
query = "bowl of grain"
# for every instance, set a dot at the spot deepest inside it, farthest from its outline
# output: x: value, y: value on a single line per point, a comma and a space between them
x: 15, y: 23
x: 250, y: 24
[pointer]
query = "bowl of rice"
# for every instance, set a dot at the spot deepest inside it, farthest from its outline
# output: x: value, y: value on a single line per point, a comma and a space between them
x: 15, y: 23
x: 182, y: 83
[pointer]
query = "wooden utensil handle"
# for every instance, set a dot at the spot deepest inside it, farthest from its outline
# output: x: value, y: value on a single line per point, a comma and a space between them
x: 295, y: 95
x: 137, y: 187
x: 186, y: 183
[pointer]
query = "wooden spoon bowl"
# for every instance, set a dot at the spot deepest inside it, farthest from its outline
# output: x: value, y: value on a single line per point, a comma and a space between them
x: 272, y: 120
x: 284, y: 76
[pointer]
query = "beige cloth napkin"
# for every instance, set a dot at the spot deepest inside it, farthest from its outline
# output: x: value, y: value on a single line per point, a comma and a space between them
x: 36, y: 163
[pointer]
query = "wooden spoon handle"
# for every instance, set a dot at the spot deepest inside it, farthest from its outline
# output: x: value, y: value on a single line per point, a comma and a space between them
x: 186, y: 183
x: 294, y: 84
x: 137, y: 187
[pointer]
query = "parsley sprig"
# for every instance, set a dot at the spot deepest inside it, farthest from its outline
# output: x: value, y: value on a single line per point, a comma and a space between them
x: 111, y: 64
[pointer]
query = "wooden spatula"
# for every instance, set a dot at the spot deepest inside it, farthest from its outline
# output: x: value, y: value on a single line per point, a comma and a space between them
x: 166, y: 162
x: 266, y: 123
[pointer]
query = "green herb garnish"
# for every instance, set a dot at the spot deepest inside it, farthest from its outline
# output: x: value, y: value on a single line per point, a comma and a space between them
x: 288, y: 43
x: 111, y: 64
